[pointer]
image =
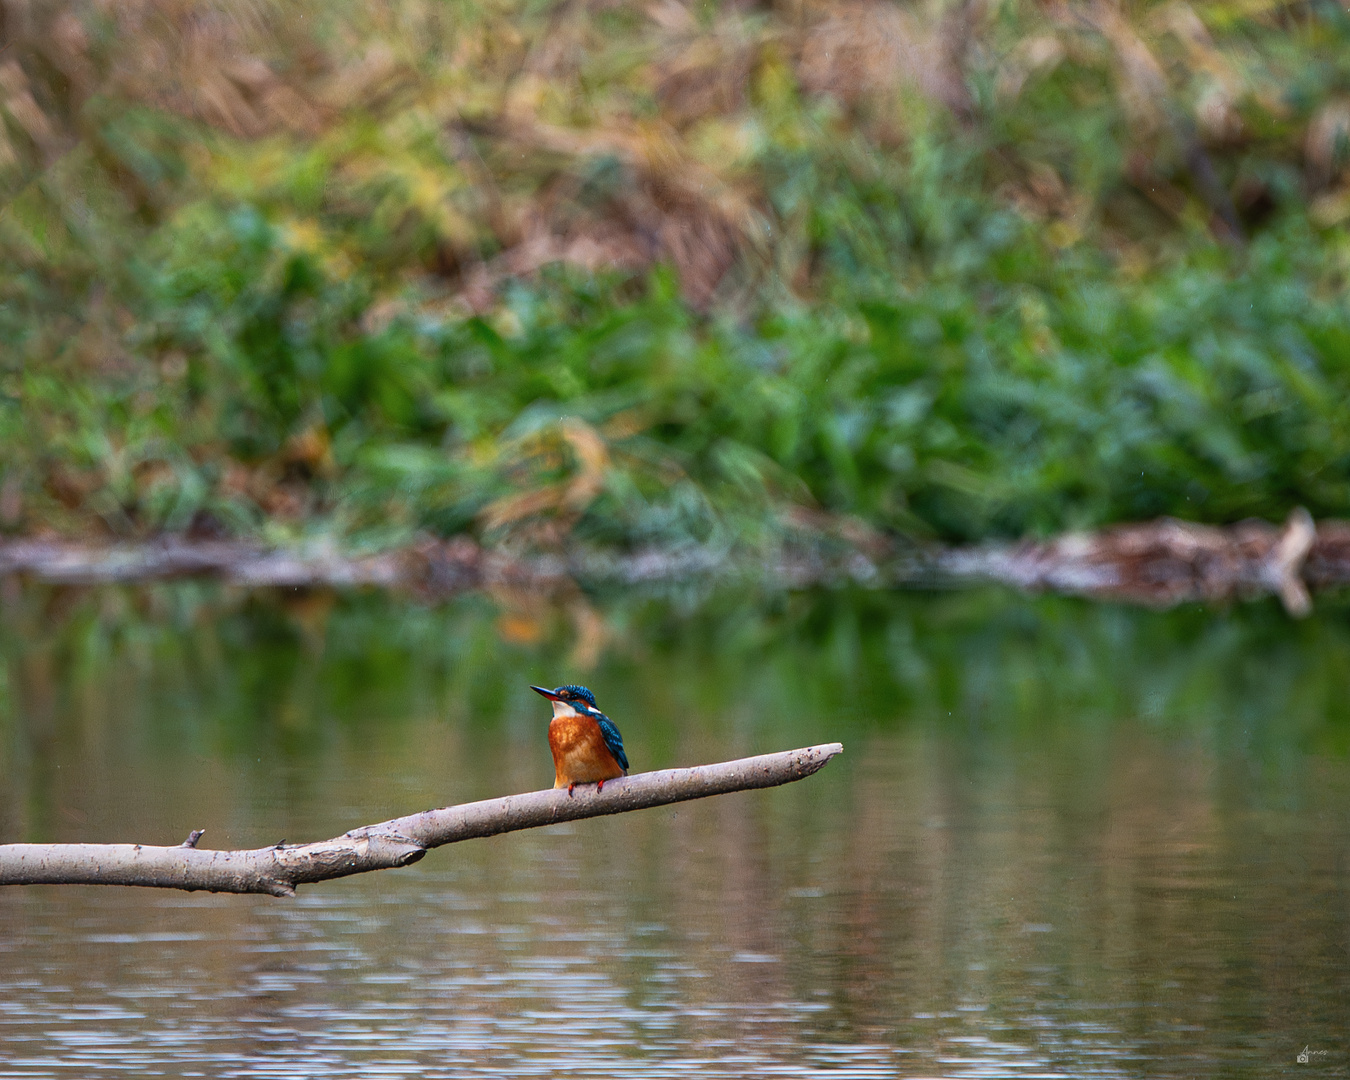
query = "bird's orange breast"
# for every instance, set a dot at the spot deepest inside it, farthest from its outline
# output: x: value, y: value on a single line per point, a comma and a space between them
x: 580, y: 755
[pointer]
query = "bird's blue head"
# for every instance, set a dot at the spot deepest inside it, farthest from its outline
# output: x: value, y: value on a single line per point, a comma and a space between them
x: 577, y: 693
x: 572, y: 694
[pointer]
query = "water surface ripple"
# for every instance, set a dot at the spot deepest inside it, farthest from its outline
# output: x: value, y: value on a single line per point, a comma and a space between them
x: 1064, y: 841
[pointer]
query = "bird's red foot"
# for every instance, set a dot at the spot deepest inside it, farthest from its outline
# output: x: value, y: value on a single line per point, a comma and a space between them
x: 571, y: 788
x: 599, y: 785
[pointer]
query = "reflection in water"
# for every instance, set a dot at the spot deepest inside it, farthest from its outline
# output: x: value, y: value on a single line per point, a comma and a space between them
x: 1064, y: 840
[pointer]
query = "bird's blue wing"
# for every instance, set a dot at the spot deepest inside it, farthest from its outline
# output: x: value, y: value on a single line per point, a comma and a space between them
x: 613, y: 739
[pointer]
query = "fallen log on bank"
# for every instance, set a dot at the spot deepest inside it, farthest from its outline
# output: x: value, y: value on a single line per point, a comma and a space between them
x: 1169, y: 562
x: 402, y: 841
x: 443, y: 567
x: 1160, y: 563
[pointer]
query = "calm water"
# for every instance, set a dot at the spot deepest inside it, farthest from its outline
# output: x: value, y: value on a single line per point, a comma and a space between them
x: 1064, y: 841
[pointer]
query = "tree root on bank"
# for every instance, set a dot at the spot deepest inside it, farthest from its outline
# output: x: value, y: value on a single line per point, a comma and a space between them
x: 278, y: 869
x: 1160, y: 563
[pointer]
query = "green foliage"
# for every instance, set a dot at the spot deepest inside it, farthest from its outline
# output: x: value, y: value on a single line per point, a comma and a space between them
x: 1012, y: 313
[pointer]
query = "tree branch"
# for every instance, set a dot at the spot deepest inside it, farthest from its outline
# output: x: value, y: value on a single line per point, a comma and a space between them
x: 278, y: 870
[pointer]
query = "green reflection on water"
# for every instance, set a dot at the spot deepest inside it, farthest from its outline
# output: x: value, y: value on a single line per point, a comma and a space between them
x: 1063, y: 837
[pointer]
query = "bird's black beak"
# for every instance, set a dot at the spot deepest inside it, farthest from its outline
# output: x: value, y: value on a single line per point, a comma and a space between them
x: 547, y: 693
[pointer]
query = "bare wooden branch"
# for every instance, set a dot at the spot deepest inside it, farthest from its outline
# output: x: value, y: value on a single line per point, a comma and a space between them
x: 400, y: 842
x: 1283, y: 565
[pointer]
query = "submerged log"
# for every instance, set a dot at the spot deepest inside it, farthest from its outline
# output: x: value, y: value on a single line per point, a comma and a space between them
x: 402, y: 841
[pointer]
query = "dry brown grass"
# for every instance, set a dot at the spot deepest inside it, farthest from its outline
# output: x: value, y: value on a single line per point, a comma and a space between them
x: 539, y: 103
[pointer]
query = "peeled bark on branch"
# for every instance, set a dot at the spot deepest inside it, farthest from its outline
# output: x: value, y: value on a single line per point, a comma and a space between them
x: 400, y: 842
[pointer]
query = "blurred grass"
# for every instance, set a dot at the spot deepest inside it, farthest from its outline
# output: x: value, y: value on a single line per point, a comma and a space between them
x: 721, y: 274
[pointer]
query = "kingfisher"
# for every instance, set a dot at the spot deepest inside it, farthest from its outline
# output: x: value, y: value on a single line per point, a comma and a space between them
x: 587, y: 747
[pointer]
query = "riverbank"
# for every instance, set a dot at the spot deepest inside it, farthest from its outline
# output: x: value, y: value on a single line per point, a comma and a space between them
x: 1161, y: 563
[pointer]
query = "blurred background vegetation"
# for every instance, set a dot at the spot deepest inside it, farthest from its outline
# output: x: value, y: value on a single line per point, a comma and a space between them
x: 579, y: 272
